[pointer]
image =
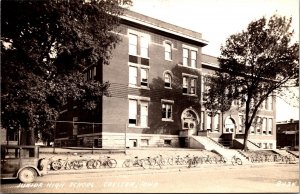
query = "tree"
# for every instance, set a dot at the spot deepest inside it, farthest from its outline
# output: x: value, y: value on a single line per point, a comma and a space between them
x: 254, y: 65
x: 46, y: 48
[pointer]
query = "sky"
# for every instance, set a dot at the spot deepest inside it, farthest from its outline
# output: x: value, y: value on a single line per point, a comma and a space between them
x: 218, y: 19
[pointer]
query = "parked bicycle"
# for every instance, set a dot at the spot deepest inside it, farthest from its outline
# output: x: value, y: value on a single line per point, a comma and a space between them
x: 236, y: 161
x: 136, y: 162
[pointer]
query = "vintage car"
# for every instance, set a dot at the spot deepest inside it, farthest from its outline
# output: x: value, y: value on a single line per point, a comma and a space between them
x: 20, y: 162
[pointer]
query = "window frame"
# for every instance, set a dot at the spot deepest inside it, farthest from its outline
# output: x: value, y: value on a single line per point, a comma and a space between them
x: 133, y: 44
x: 168, y: 51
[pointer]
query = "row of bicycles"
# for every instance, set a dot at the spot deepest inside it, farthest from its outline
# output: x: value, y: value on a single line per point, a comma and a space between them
x: 149, y: 162
x: 272, y: 158
x: 190, y: 161
x: 159, y: 161
x: 77, y: 164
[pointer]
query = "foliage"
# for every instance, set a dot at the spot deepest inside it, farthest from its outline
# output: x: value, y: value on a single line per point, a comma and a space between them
x: 46, y: 48
x: 254, y: 65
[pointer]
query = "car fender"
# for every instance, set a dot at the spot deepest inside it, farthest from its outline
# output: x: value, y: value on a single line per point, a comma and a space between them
x: 30, y: 166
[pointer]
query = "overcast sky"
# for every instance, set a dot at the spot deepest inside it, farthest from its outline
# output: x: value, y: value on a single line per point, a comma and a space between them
x: 218, y: 19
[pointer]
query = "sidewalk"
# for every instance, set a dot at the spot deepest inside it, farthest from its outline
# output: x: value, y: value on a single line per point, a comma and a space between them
x: 120, y: 156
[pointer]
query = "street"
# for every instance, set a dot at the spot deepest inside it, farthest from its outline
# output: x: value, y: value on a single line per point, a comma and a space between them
x: 261, y: 178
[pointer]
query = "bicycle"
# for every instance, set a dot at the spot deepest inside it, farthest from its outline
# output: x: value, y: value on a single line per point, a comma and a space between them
x: 53, y: 164
x: 207, y: 159
x: 236, y: 161
x: 136, y: 162
x: 107, y: 162
x: 193, y: 162
x: 179, y: 160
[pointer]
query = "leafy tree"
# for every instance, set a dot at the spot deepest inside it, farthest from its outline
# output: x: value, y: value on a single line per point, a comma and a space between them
x: 255, y: 64
x: 46, y: 47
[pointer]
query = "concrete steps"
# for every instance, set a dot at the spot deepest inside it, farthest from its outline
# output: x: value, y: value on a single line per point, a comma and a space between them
x: 212, y: 145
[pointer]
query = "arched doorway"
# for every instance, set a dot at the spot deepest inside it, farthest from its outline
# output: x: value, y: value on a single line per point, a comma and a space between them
x: 190, y: 120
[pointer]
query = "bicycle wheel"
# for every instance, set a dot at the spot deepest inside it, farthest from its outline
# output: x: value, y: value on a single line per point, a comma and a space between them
x: 77, y: 164
x: 238, y: 161
x: 170, y: 161
x: 146, y: 164
x: 55, y: 165
x: 126, y: 163
x: 112, y: 163
x: 189, y: 162
x: 233, y: 162
x: 90, y: 164
x: 97, y: 164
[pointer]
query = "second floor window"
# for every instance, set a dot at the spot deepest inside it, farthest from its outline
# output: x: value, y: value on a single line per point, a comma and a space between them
x: 168, y: 51
x: 132, y: 75
x: 144, y: 77
x: 193, y: 86
x: 188, y: 85
x: 168, y: 80
x: 184, y: 85
x: 167, y: 111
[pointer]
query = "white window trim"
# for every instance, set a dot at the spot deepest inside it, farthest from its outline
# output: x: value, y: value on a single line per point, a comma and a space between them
x: 165, y: 42
x: 167, y: 101
x: 139, y: 34
x: 190, y: 47
x: 143, y: 98
x: 190, y: 75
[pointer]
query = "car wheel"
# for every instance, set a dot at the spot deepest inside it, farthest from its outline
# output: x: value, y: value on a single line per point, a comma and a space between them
x: 27, y: 175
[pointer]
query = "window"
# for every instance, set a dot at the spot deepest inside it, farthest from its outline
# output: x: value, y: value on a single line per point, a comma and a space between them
x: 138, y: 113
x: 132, y: 75
x: 189, y: 84
x: 189, y: 56
x: 264, y: 126
x: 91, y: 73
x: 270, y: 145
x: 208, y: 122
x: 202, y: 121
x: 144, y: 114
x: 252, y: 129
x: 144, y: 47
x: 270, y: 103
x: 167, y: 142
x: 258, y: 125
x: 166, y: 111
x: 132, y: 112
x: 184, y: 85
x: 168, y: 51
x: 144, y: 77
x: 168, y: 80
x: 259, y: 145
x: 193, y: 59
x: 241, y: 123
x: 185, y: 57
x: 217, y: 121
x: 193, y: 86
x: 270, y: 126
x: 133, y: 40
x: 144, y: 142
